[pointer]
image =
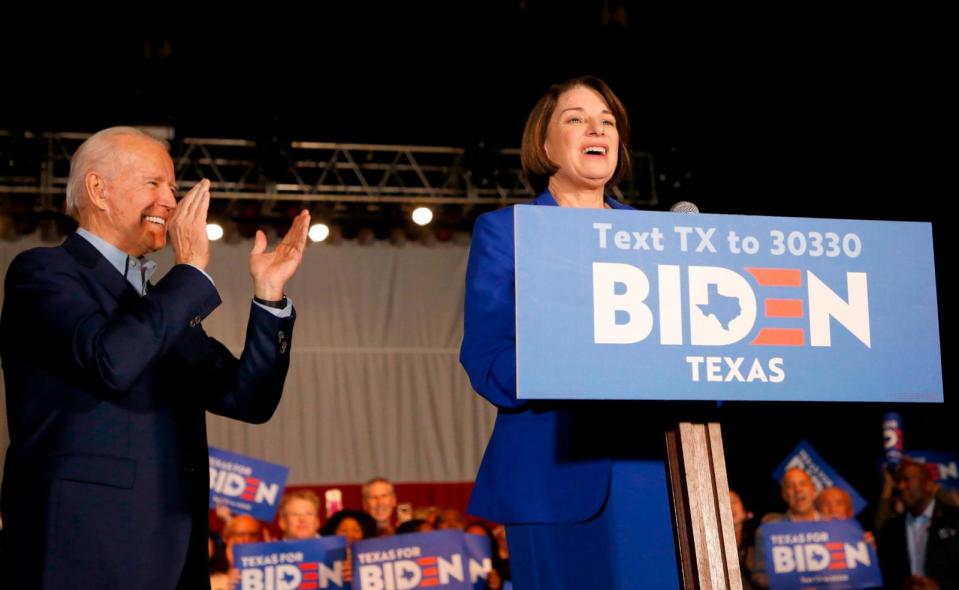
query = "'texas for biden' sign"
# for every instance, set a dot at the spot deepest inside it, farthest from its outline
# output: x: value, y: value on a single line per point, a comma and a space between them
x: 647, y: 305
x: 312, y: 564
x: 246, y: 485
x: 447, y: 560
x: 811, y: 555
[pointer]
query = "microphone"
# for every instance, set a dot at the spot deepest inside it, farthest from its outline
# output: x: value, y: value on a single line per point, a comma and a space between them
x: 684, y: 207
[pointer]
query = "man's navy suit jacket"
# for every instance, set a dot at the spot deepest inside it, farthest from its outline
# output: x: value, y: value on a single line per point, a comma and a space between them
x: 107, y: 471
x: 942, y: 549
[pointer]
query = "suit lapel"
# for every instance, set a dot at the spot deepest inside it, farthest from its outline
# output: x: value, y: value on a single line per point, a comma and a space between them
x: 106, y: 275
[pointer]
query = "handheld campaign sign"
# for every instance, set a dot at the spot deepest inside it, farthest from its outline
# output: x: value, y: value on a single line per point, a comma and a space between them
x: 648, y: 305
x: 944, y: 466
x: 805, y: 457
x: 826, y: 554
x: 246, y: 485
x: 292, y: 565
x: 451, y: 560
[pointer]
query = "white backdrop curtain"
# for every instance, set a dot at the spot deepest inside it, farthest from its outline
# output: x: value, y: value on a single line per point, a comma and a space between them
x: 375, y: 386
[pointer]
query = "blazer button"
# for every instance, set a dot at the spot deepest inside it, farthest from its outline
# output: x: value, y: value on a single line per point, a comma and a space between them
x: 195, y: 321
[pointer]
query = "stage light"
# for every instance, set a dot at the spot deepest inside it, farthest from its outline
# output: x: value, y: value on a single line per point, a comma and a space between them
x: 422, y: 215
x: 214, y: 231
x: 319, y: 232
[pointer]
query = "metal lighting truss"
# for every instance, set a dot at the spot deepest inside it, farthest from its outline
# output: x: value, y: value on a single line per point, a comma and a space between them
x: 308, y: 171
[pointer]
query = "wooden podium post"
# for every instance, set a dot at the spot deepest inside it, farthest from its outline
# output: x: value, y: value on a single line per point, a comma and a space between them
x: 699, y: 489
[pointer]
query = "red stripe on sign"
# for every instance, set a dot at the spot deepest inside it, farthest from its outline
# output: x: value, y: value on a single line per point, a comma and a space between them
x: 837, y: 566
x: 430, y: 582
x: 309, y: 565
x: 426, y: 561
x: 309, y: 576
x: 252, y: 481
x: 784, y: 308
x: 308, y: 586
x: 777, y: 277
x: 834, y: 546
x: 780, y: 337
x: 430, y: 571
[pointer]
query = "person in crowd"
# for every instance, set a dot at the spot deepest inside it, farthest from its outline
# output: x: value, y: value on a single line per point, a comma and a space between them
x: 379, y: 500
x: 355, y: 525
x: 834, y: 503
x: 890, y: 503
x: 919, y: 549
x: 239, y: 530
x: 299, y: 515
x: 799, y: 494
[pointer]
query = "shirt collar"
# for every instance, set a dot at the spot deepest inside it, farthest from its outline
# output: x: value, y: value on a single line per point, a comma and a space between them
x: 136, y: 270
x: 926, y: 514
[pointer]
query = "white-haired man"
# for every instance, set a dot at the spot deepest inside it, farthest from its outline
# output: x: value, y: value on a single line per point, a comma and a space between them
x: 799, y: 494
x: 108, y: 377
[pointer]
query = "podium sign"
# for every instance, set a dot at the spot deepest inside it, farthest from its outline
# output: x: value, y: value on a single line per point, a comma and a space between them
x: 647, y: 305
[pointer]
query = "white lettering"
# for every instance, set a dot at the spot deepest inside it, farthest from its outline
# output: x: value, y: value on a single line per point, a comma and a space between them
x: 606, y: 302
x: 824, y: 303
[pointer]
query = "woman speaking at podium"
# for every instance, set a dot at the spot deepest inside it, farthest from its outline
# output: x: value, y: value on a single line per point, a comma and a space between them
x: 583, y: 497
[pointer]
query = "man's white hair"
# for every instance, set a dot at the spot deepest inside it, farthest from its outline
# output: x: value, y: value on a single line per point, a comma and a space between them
x: 95, y: 150
x: 366, y: 487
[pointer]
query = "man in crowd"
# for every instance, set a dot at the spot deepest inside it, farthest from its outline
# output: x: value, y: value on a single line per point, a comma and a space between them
x: 919, y: 549
x: 834, y: 503
x: 799, y: 493
x: 379, y: 500
x: 300, y: 515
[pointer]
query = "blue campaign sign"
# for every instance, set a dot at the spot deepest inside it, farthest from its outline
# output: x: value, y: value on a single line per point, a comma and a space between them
x: 825, y: 554
x: 292, y: 565
x: 805, y: 457
x: 246, y: 485
x: 615, y: 304
x: 451, y: 560
x: 944, y: 466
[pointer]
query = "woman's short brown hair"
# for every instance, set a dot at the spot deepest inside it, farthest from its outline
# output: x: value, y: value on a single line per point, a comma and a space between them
x: 536, y: 164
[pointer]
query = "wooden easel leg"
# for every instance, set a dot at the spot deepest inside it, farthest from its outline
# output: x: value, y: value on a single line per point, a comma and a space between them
x: 699, y: 490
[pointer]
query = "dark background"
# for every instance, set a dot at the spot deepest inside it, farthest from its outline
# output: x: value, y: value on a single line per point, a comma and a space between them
x: 798, y: 111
